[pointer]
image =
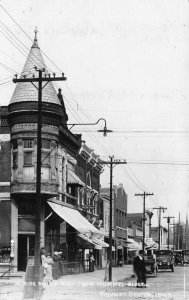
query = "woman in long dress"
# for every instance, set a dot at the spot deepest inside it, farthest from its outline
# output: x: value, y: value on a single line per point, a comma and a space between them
x: 47, y: 262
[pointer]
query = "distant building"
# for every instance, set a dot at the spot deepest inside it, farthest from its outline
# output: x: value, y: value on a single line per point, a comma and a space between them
x: 163, y: 236
x: 137, y: 219
x: 119, y: 218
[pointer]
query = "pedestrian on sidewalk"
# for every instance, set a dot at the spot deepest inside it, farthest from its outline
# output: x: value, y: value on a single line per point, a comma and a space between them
x: 57, y: 265
x: 47, y: 262
x: 91, y: 262
x: 48, y: 269
x: 139, y: 269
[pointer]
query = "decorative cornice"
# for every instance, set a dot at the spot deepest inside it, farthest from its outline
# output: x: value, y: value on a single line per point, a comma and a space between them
x: 29, y: 106
x: 46, y: 188
x: 23, y: 127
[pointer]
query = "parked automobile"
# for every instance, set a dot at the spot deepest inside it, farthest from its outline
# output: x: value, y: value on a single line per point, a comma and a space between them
x: 165, y: 259
x: 150, y: 263
x: 186, y: 256
x: 179, y: 257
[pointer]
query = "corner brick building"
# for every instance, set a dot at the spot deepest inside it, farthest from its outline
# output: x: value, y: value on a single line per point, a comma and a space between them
x: 70, y: 175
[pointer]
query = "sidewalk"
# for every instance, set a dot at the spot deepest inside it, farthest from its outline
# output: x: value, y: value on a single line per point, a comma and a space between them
x: 87, y: 285
x: 66, y: 286
x: 118, y: 274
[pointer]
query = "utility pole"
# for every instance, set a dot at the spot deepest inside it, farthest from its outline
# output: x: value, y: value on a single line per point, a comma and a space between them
x: 37, y: 262
x: 179, y: 233
x: 159, y: 225
x: 168, y: 222
x: 111, y: 163
x: 174, y: 234
x: 144, y: 217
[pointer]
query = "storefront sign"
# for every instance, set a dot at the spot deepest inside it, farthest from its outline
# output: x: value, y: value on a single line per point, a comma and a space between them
x: 88, y: 207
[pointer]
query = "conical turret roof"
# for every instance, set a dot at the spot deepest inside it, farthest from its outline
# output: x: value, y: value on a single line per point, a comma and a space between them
x: 26, y: 91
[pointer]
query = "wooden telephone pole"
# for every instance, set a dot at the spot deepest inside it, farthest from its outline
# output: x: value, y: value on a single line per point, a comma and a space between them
x: 144, y: 217
x: 111, y: 163
x: 159, y: 225
x: 37, y: 262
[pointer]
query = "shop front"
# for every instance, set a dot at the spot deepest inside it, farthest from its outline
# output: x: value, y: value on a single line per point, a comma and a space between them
x: 133, y: 248
x: 5, y: 235
x: 74, y: 236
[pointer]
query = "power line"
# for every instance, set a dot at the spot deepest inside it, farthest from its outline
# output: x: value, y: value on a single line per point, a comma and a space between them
x: 158, y: 163
x: 20, y: 48
x: 47, y: 57
x: 143, y: 187
x: 10, y: 58
x: 28, y: 36
x: 135, y: 183
x: 15, y: 37
x: 131, y: 112
x: 7, y: 68
x: 152, y: 131
x: 10, y: 81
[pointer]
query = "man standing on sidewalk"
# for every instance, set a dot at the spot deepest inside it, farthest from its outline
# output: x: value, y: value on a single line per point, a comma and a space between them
x: 139, y: 269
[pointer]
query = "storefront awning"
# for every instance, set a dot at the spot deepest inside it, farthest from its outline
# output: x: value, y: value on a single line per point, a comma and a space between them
x: 100, y: 242
x: 74, y: 179
x: 133, y: 245
x: 150, y: 244
x: 85, y: 238
x: 74, y: 218
x: 96, y: 242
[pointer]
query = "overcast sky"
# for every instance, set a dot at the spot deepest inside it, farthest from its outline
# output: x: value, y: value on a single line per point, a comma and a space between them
x: 126, y: 61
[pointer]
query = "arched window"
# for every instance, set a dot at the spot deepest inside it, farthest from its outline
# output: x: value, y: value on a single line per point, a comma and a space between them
x: 88, y: 178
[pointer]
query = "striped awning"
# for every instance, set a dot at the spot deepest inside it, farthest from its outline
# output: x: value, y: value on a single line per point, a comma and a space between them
x: 96, y: 242
x: 100, y: 242
x: 74, y: 179
x: 74, y: 218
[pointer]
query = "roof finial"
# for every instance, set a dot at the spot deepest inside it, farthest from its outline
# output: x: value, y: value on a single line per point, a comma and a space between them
x: 36, y: 31
x: 35, y: 44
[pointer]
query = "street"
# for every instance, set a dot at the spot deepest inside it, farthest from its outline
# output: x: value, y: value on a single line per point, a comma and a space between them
x: 167, y: 285
x: 174, y: 283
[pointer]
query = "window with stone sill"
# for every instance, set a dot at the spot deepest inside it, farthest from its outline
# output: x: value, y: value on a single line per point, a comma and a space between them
x: 45, y: 158
x: 45, y: 144
x: 28, y: 158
